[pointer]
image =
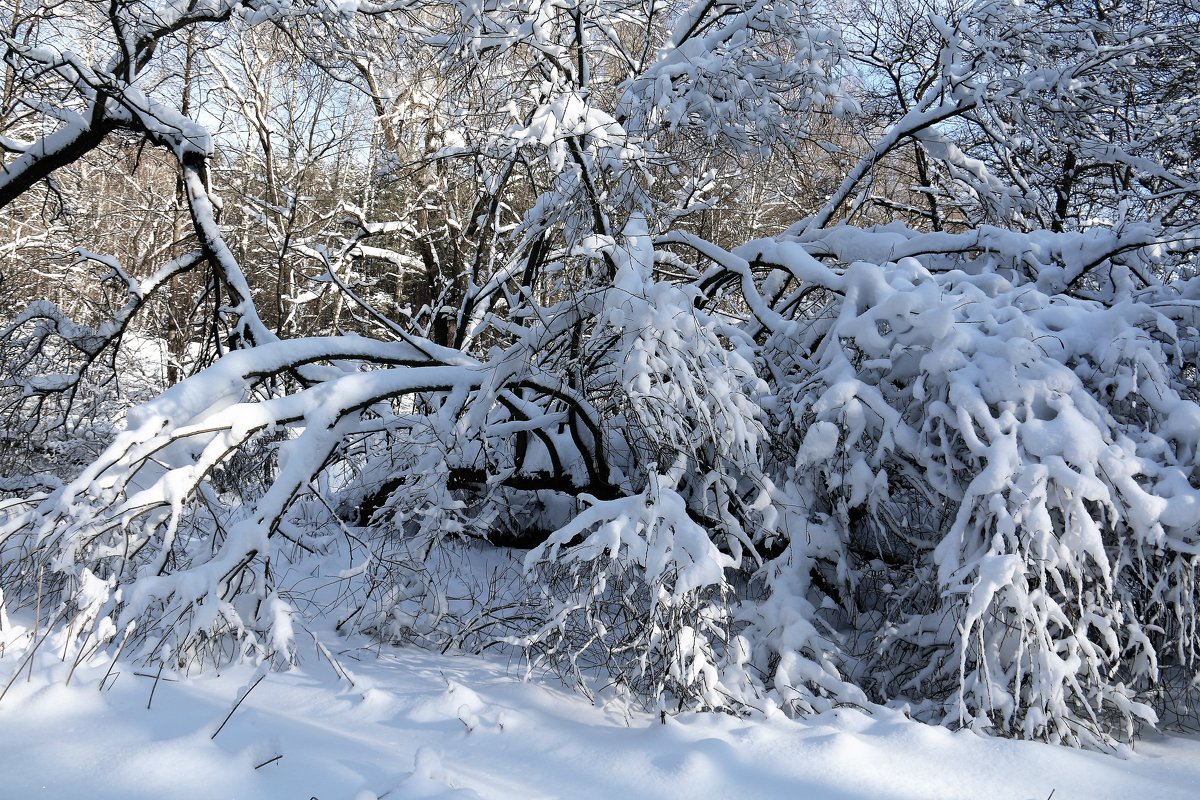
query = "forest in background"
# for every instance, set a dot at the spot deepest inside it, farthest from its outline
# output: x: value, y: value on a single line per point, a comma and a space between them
x: 807, y: 353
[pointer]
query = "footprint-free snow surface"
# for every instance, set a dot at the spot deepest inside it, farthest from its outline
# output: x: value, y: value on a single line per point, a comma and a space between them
x: 409, y: 724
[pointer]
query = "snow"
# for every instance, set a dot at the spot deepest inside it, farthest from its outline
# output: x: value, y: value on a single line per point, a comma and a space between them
x: 402, y: 723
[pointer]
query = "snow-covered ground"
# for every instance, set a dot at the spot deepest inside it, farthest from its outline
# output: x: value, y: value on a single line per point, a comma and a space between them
x: 410, y: 724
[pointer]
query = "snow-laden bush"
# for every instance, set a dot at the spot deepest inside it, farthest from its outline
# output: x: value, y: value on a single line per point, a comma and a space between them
x: 1052, y: 438
x: 637, y: 591
x: 939, y: 482
x: 638, y: 586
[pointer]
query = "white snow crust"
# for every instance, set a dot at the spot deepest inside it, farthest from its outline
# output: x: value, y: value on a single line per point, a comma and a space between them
x: 405, y: 723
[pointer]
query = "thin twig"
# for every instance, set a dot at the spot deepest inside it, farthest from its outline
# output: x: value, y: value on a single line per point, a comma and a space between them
x: 154, y: 686
x: 235, y: 705
x: 29, y: 657
x: 338, y: 669
x: 37, y: 619
x: 268, y: 761
x: 120, y: 649
x: 83, y: 653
